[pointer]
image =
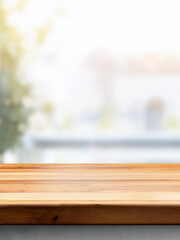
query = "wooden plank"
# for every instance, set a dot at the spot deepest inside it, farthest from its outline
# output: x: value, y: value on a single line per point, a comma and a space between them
x: 90, y: 194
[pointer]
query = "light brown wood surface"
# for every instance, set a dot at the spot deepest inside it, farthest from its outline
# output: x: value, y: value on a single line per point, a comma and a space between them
x: 90, y: 194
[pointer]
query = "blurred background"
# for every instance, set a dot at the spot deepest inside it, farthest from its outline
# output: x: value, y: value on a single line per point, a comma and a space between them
x: 89, y: 81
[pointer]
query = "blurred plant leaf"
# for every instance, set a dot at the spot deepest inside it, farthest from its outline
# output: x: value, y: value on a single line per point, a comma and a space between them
x: 43, y: 32
x: 20, y: 6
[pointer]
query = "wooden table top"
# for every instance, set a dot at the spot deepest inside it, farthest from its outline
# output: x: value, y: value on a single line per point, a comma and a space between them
x: 90, y: 194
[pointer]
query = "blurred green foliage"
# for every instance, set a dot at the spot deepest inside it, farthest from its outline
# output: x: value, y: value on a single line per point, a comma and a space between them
x: 13, y: 112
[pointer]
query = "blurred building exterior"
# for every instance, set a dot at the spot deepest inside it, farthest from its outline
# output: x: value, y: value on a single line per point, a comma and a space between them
x: 99, y: 78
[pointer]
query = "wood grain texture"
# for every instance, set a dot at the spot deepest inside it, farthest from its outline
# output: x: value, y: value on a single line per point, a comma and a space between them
x: 90, y: 194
